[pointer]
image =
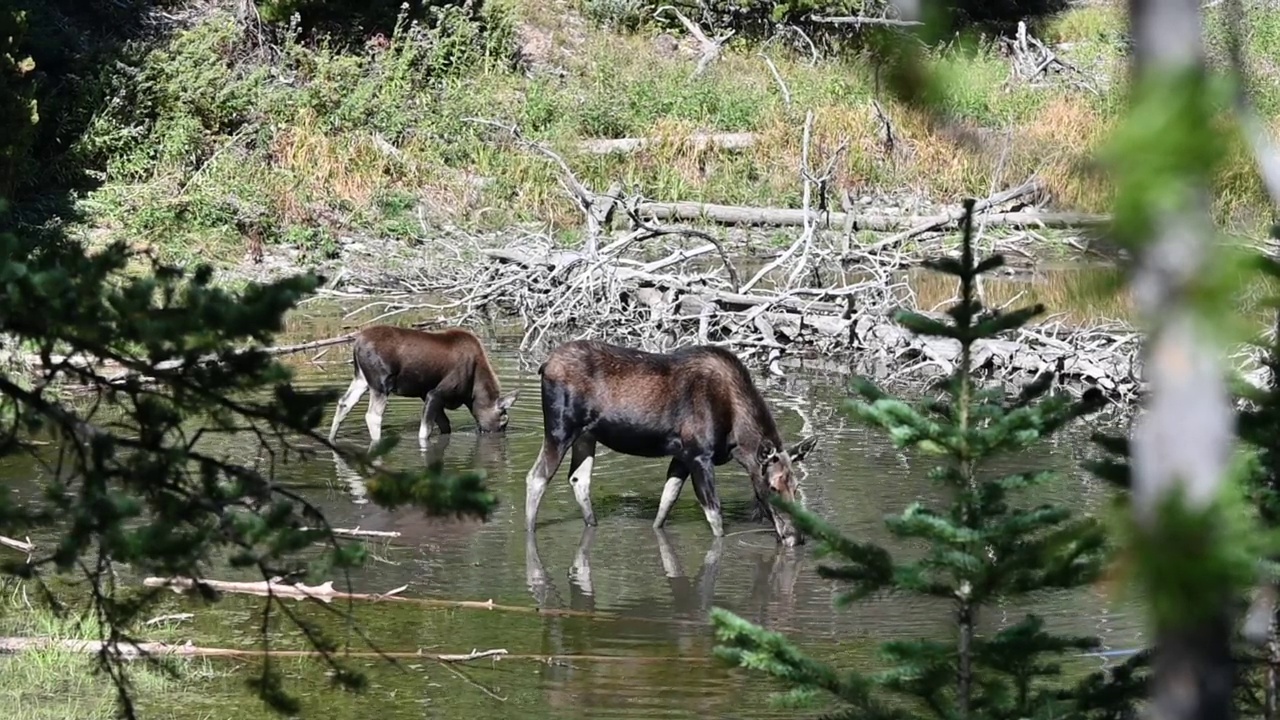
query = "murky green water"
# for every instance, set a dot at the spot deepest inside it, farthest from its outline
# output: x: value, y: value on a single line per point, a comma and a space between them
x: 659, y: 585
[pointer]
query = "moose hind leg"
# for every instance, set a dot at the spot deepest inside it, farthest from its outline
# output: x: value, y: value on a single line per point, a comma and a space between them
x: 349, y: 399
x: 580, y: 464
x: 677, y: 474
x: 373, y: 416
x: 535, y: 483
x: 704, y: 486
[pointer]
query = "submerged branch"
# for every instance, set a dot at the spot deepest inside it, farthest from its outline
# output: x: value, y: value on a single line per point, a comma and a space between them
x: 325, y: 593
x: 143, y: 650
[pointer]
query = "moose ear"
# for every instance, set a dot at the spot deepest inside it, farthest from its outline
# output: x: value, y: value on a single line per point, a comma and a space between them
x: 506, y: 402
x: 765, y: 453
x: 802, y: 448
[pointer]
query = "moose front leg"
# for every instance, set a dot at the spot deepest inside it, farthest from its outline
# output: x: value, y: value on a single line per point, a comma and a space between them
x: 432, y: 412
x: 704, y: 486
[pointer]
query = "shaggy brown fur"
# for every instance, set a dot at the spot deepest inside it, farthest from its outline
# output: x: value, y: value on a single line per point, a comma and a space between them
x: 697, y: 405
x: 446, y: 369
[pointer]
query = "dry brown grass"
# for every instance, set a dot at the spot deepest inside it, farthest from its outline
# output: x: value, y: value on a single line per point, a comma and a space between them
x: 349, y: 169
x: 620, y: 85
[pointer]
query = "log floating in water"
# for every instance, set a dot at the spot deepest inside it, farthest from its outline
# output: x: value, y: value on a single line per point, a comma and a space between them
x: 325, y: 592
x: 358, y: 533
x: 130, y: 651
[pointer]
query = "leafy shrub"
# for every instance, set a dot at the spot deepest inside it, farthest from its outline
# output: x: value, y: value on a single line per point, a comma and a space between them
x: 18, y: 113
x: 761, y: 19
x: 353, y: 21
x: 619, y: 15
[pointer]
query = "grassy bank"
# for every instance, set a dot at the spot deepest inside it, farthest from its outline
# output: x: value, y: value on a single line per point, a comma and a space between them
x: 215, y: 141
x: 56, y: 683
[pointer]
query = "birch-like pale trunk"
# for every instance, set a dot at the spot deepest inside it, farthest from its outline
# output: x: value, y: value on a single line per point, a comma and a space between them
x: 1184, y: 439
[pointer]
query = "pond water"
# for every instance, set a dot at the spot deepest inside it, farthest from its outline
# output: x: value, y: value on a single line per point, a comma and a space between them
x: 651, y: 590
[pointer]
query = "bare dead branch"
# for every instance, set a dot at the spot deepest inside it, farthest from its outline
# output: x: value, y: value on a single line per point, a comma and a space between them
x: 782, y: 85
x: 1030, y: 186
x: 860, y: 20
x: 710, y: 48
x: 597, y: 209
x: 21, y: 546
x: 140, y: 650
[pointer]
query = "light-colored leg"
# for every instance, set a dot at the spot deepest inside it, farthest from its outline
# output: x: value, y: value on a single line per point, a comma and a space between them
x: 677, y: 473
x: 584, y: 458
x: 432, y: 413
x: 373, y: 416
x: 349, y: 399
x: 535, y: 483
x: 704, y: 487
x: 670, y: 493
x: 424, y: 427
x: 581, y: 482
x: 714, y: 520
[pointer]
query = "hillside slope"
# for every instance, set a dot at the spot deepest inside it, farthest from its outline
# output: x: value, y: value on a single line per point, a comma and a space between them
x: 223, y: 139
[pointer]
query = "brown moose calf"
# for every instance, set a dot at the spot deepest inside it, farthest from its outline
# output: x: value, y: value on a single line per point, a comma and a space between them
x: 446, y: 369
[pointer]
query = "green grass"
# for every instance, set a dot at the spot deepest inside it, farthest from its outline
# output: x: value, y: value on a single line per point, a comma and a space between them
x: 323, y: 142
x: 55, y: 683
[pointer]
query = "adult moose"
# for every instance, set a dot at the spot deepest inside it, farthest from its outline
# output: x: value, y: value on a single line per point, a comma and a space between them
x: 697, y: 405
x: 446, y: 369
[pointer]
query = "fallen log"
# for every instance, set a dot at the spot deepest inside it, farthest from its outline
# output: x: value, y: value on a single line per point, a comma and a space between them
x: 325, y: 593
x: 275, y: 350
x: 87, y: 363
x: 786, y: 217
x: 700, y: 142
x: 132, y: 651
x: 19, y: 545
x: 860, y: 20
x: 358, y: 533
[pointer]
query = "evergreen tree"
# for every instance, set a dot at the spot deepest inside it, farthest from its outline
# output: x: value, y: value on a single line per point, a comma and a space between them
x: 981, y: 547
x: 128, y: 480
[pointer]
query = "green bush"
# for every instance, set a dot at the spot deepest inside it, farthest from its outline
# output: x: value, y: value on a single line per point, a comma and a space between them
x: 762, y: 19
x: 18, y: 112
x: 353, y: 21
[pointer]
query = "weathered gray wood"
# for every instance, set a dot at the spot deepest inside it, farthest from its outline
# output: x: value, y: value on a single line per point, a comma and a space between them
x: 859, y: 20
x: 783, y: 217
x: 700, y: 141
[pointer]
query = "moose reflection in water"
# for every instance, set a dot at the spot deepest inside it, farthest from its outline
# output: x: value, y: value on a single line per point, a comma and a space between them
x: 772, y: 589
x: 488, y: 450
x: 446, y: 369
x: 697, y: 405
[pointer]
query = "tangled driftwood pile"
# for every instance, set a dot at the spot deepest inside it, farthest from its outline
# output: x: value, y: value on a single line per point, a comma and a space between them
x: 660, y: 286
x: 665, y: 303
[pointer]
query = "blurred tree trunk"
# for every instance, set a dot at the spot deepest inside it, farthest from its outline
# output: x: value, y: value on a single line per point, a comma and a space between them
x: 1182, y: 444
